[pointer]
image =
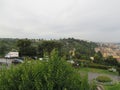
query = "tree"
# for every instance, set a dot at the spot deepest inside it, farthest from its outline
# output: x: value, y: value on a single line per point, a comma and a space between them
x: 40, y: 50
x: 26, y: 48
x: 48, y: 46
x: 23, y: 43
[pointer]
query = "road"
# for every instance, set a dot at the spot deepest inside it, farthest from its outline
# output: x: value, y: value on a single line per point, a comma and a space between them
x: 5, y: 62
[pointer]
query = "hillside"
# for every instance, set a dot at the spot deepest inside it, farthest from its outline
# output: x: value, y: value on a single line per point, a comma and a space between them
x: 80, y: 48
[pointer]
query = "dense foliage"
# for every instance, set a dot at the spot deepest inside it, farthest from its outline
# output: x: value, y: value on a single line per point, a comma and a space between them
x: 55, y: 74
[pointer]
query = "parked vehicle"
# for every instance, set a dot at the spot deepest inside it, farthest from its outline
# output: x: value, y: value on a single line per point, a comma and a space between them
x: 12, y: 55
x: 17, y: 61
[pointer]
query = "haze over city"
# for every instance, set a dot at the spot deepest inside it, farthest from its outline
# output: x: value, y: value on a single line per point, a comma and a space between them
x: 94, y: 20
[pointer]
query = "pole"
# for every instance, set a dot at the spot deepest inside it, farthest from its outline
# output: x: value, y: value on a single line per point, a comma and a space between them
x: 6, y: 61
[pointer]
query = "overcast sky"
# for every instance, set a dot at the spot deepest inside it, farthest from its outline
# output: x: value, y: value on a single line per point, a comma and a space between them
x: 94, y: 20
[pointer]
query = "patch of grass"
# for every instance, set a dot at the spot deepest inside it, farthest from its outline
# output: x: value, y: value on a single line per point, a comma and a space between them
x: 94, y: 70
x: 113, y: 87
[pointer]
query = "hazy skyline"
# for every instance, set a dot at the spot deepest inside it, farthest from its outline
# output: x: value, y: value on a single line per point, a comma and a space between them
x: 94, y: 20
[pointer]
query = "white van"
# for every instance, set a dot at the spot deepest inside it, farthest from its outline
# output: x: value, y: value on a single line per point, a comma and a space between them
x: 12, y: 55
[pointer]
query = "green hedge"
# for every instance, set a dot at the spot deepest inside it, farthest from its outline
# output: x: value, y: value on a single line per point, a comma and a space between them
x: 98, y: 66
x: 103, y: 79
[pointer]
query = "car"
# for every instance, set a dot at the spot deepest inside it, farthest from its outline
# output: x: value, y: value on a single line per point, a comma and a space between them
x: 17, y: 61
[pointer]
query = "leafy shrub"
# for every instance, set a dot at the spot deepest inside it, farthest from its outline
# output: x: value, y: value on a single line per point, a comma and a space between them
x: 56, y: 74
x: 103, y: 79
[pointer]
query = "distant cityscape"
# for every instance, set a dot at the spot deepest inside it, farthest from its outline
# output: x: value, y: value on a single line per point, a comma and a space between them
x: 109, y: 49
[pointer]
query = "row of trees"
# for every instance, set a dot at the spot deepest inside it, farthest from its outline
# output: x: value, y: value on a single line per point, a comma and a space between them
x: 26, y: 48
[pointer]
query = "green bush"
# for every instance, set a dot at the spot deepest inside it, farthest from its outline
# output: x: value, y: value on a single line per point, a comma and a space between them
x: 103, y: 79
x: 98, y: 66
x: 56, y: 74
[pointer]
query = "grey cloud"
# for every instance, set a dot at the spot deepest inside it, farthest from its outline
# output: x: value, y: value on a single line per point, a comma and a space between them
x: 95, y: 20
